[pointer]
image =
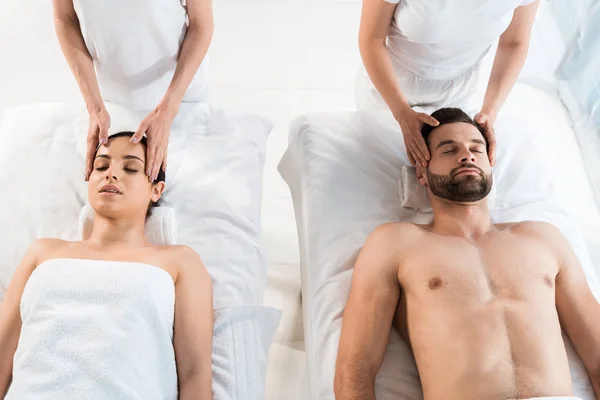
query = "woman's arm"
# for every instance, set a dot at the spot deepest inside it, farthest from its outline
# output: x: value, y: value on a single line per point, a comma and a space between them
x: 510, y: 57
x: 157, y: 124
x: 193, y: 331
x: 193, y: 50
x: 375, y: 22
x: 76, y: 53
x: 80, y: 61
x: 10, y: 317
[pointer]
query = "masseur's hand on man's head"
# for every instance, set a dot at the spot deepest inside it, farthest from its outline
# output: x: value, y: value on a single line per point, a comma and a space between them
x: 411, y: 122
x: 97, y: 135
x: 157, y: 127
x: 487, y: 120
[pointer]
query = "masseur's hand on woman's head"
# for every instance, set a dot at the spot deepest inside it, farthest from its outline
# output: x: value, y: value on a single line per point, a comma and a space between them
x: 411, y: 122
x: 97, y: 135
x: 157, y: 127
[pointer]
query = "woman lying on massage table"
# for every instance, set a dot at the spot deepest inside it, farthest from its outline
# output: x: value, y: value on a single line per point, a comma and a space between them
x: 112, y: 316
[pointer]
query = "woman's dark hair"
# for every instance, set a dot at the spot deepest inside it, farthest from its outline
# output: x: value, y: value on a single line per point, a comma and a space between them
x: 449, y: 116
x: 144, y: 142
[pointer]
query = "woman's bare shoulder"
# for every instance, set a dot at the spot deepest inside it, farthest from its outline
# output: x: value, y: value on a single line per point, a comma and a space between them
x: 183, y: 259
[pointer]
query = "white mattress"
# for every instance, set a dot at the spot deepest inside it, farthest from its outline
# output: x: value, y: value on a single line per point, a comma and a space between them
x: 343, y: 168
x: 214, y: 184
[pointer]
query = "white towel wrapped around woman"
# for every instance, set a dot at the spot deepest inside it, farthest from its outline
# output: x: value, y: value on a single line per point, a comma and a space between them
x: 96, y: 330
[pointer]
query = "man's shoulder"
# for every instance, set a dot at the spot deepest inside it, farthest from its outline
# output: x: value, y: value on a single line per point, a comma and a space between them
x: 539, y: 229
x: 398, y: 231
x: 396, y: 236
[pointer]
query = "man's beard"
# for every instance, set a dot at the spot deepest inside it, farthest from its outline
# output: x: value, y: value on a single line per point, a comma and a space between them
x: 462, y: 188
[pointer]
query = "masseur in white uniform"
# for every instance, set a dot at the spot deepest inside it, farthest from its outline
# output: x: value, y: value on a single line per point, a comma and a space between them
x: 427, y: 53
x: 112, y: 317
x: 141, y: 54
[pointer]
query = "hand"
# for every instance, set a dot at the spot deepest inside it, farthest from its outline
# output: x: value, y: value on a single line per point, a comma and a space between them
x: 486, y: 120
x: 157, y: 127
x: 411, y: 122
x: 97, y: 135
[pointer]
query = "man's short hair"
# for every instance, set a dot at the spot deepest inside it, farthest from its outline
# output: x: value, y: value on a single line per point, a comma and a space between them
x: 449, y: 116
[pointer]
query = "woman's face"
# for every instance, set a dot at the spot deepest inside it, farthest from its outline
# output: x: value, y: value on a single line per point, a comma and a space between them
x: 118, y: 186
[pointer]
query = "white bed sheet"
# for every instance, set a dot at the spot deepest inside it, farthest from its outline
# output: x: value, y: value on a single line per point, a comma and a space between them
x: 343, y: 168
x: 214, y: 184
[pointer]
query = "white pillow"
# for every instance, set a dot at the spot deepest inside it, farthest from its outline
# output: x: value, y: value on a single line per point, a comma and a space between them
x: 214, y: 184
x: 343, y: 169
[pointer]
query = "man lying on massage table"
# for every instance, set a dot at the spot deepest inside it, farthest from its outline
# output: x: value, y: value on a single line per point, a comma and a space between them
x: 480, y: 304
x: 112, y: 316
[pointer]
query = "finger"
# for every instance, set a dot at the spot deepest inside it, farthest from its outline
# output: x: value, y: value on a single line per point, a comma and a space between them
x: 164, y: 163
x: 492, y: 152
x: 157, y: 164
x: 422, y: 146
x: 411, y: 159
x: 103, y: 134
x: 151, y: 154
x: 92, y: 147
x: 428, y: 119
x: 418, y: 154
x: 139, y: 134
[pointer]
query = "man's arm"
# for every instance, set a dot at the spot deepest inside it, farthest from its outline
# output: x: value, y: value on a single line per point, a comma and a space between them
x: 368, y: 316
x: 193, y: 331
x: 10, y: 317
x: 578, y: 310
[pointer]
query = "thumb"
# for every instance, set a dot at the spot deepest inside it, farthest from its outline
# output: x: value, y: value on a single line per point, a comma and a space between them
x: 103, y: 135
x: 137, y: 136
x: 480, y: 118
x: 429, y: 120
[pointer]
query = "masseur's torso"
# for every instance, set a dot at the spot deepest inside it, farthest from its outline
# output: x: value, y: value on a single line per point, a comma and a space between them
x: 481, y: 317
x: 135, y: 46
x: 441, y: 39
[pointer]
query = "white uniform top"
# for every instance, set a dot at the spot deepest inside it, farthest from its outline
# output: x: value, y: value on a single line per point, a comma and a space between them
x: 96, y: 330
x: 135, y: 45
x: 441, y: 39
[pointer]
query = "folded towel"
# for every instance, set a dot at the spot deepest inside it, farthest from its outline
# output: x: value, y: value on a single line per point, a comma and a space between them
x: 160, y: 230
x: 413, y: 195
x: 96, y: 330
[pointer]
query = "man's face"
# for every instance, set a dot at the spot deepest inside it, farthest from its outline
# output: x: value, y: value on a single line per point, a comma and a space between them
x: 459, y: 169
x: 118, y: 186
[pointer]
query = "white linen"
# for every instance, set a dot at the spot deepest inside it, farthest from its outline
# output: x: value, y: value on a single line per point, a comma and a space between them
x: 214, y: 184
x: 241, y: 344
x: 457, y: 91
x: 97, y: 330
x: 135, y: 45
x: 440, y: 39
x: 160, y: 228
x: 343, y: 169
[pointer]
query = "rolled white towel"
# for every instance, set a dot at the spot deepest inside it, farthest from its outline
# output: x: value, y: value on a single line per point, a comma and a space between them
x: 160, y: 229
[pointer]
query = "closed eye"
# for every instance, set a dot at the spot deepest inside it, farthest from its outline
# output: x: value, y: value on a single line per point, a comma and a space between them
x: 131, y: 171
x: 101, y: 168
x: 450, y: 151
